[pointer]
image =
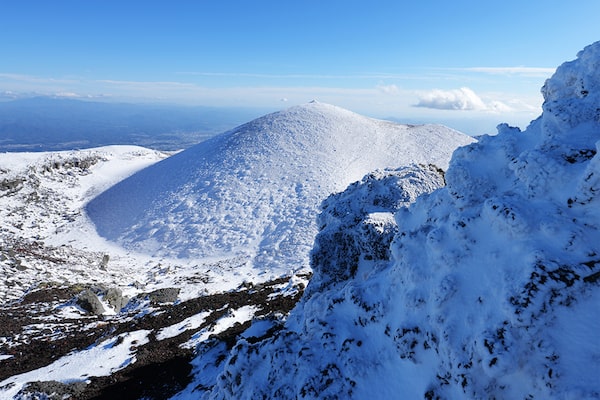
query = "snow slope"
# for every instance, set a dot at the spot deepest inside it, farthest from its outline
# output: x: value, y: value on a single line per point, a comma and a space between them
x: 492, y: 287
x: 255, y: 190
x: 51, y: 255
x: 44, y: 235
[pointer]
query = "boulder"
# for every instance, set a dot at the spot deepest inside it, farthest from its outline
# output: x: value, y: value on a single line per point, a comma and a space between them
x: 114, y: 297
x: 89, y: 302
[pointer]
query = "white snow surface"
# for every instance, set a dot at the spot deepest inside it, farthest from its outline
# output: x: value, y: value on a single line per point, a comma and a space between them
x: 237, y: 316
x: 189, y: 323
x: 492, y: 287
x: 101, y: 359
x: 42, y: 196
x: 46, y: 238
x: 255, y: 190
x: 51, y: 239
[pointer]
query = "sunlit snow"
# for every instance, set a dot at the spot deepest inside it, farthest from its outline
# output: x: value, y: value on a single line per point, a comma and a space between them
x: 101, y: 359
x: 255, y: 190
x: 491, y: 289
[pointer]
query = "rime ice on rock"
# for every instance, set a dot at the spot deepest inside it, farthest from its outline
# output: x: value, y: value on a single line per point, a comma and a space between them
x: 492, y: 290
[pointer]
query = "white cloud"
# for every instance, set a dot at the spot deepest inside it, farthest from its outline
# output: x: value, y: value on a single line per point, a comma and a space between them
x: 457, y: 99
x: 68, y: 95
x: 34, y: 79
x: 388, y: 89
x: 461, y: 99
x: 498, y: 106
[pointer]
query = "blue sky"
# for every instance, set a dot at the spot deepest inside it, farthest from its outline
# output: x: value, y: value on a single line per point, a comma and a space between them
x: 468, y: 64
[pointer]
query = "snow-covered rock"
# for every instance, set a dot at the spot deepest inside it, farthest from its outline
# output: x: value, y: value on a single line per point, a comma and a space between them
x: 357, y: 226
x: 256, y: 189
x: 492, y: 289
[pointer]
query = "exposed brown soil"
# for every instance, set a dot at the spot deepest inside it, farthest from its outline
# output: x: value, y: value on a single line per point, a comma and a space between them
x: 162, y: 367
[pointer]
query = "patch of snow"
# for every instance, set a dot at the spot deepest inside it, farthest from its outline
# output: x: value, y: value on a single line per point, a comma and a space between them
x: 235, y: 316
x: 192, y: 322
x: 101, y: 359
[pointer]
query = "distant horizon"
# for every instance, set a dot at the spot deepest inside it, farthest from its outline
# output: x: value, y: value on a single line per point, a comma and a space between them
x: 466, y: 64
x: 467, y: 125
x: 461, y: 109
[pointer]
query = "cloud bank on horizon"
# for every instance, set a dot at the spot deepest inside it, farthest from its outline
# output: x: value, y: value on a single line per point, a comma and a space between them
x: 461, y: 108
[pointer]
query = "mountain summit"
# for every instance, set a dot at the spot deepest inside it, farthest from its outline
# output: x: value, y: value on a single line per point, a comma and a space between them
x: 255, y: 190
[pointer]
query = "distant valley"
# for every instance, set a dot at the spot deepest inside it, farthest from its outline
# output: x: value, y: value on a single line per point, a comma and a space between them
x: 52, y: 124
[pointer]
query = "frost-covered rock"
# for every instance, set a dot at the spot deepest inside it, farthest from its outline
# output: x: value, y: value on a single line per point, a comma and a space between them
x: 357, y: 226
x: 114, y: 297
x: 493, y: 286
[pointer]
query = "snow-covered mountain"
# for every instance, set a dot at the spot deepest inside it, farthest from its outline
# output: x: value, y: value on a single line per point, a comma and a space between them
x: 489, y: 289
x: 255, y: 190
x: 81, y: 316
x: 485, y: 288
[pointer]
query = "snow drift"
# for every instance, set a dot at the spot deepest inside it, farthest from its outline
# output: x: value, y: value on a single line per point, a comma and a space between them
x: 256, y: 189
x: 492, y: 286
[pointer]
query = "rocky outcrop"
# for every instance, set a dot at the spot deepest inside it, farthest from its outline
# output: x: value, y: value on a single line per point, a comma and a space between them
x: 356, y: 227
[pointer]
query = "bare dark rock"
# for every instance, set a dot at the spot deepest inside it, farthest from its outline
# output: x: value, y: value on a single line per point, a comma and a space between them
x: 89, y: 302
x: 162, y: 296
x: 53, y: 390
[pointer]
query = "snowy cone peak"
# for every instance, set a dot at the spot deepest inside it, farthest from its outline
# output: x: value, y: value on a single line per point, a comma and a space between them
x: 491, y: 289
x: 255, y: 190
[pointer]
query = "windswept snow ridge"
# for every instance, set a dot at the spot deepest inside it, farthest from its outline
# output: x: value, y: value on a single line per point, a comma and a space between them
x: 492, y: 287
x: 255, y: 190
